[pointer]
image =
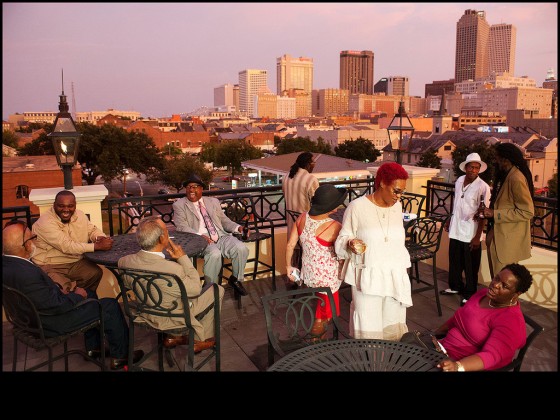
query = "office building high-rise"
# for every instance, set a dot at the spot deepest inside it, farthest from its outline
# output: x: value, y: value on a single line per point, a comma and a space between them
x: 356, y: 71
x: 223, y: 95
x: 295, y: 75
x: 501, y: 51
x: 251, y: 82
x: 471, y: 48
x: 397, y: 85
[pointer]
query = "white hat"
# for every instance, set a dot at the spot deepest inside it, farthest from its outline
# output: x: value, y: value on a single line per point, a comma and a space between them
x: 473, y: 157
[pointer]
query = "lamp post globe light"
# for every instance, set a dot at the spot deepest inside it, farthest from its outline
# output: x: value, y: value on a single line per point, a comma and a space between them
x: 400, y: 129
x: 66, y: 140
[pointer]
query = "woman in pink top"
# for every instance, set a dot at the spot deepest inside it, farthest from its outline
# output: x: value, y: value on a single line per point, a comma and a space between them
x: 316, y: 232
x: 486, y: 332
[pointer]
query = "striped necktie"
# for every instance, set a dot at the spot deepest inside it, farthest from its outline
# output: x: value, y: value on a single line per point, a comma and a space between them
x: 208, y: 222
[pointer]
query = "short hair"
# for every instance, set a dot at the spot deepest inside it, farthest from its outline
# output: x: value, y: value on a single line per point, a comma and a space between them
x: 523, y: 276
x: 148, y: 232
x: 64, y: 193
x: 389, y: 172
x: 302, y: 161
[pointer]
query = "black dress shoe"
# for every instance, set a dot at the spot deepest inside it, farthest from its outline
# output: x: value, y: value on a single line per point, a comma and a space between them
x: 237, y: 286
x: 117, y: 364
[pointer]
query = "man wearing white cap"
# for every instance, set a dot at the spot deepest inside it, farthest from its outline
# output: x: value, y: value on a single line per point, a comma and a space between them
x: 464, y: 231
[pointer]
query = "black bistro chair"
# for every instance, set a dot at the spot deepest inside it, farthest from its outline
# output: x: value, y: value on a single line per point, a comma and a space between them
x: 289, y: 319
x: 242, y: 210
x: 423, y: 241
x: 147, y: 293
x: 27, y: 328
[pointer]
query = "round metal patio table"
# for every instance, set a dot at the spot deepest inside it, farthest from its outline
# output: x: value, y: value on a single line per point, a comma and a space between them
x: 126, y: 244
x: 359, y: 355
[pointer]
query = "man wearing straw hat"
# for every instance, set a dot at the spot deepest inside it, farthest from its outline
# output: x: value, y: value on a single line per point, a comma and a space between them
x: 464, y: 231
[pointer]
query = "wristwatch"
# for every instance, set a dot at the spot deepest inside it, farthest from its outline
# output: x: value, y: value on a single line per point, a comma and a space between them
x: 460, y: 367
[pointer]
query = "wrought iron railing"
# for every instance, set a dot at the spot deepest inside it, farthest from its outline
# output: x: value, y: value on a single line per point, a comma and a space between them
x: 544, y: 226
x: 269, y: 204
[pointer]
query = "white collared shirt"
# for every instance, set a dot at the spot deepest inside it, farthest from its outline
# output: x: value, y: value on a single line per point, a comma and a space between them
x: 462, y: 226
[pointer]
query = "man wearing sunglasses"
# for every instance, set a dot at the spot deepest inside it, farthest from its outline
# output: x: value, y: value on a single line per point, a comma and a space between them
x: 18, y: 245
x: 64, y: 234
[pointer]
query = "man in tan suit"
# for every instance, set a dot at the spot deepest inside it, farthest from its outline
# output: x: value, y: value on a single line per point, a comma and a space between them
x: 153, y: 238
x: 511, y: 209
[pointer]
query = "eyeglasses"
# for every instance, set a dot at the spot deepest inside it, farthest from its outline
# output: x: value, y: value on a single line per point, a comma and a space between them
x: 193, y: 187
x: 397, y: 191
x: 24, y: 225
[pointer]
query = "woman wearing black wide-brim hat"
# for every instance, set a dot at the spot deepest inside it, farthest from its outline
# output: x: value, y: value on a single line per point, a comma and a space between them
x: 316, y: 232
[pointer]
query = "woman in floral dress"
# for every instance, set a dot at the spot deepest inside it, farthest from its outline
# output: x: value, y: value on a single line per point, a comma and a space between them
x: 317, y: 232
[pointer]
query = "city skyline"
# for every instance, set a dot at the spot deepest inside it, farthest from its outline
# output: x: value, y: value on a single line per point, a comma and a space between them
x: 164, y: 59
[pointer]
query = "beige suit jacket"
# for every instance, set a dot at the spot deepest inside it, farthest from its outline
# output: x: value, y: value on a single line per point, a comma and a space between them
x: 184, y: 269
x: 513, y: 211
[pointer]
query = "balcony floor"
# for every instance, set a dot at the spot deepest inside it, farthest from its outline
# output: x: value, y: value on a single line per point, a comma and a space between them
x: 244, y: 340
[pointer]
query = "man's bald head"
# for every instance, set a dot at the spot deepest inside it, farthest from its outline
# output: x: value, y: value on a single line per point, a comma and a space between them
x: 13, y: 236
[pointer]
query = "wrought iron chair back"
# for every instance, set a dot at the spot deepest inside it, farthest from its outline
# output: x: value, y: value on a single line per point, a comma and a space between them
x: 147, y: 294
x: 423, y: 241
x: 517, y: 361
x: 27, y: 328
x: 413, y: 203
x: 289, y: 319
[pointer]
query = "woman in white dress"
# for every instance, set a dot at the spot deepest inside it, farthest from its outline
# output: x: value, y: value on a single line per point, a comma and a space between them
x: 380, y: 284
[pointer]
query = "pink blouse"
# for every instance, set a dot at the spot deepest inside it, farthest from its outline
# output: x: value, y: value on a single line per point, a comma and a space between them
x: 493, y: 334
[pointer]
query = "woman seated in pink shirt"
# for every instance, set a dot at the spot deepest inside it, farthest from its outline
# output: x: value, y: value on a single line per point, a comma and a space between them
x: 486, y: 332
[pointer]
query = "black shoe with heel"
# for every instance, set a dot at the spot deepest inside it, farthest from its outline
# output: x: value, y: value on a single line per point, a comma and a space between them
x: 237, y: 286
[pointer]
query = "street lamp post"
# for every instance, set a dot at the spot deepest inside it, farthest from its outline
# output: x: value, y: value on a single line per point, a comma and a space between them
x: 66, y: 140
x: 400, y: 129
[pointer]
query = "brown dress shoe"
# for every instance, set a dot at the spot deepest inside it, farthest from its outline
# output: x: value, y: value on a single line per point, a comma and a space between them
x: 203, y: 345
x: 170, y: 341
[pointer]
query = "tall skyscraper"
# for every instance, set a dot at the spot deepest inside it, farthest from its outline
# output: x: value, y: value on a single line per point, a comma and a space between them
x: 501, y: 50
x: 356, y: 71
x: 223, y: 95
x: 471, y: 49
x: 251, y: 82
x: 295, y: 75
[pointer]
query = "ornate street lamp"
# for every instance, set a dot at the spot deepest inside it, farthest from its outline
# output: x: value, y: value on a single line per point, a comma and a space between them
x: 66, y: 140
x: 400, y: 129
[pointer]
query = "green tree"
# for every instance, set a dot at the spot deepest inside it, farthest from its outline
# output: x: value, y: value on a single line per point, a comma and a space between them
x: 429, y: 159
x: 208, y: 152
x: 171, y: 150
x: 177, y: 169
x: 42, y: 145
x: 10, y: 139
x: 232, y: 152
x: 303, y: 144
x: 108, y: 150
x: 487, y: 154
x: 360, y: 149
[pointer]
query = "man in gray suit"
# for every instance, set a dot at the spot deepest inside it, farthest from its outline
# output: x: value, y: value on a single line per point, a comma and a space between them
x: 205, y: 217
x: 153, y: 237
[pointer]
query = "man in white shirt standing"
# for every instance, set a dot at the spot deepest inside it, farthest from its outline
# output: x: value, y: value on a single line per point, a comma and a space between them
x: 465, y: 232
x: 205, y: 217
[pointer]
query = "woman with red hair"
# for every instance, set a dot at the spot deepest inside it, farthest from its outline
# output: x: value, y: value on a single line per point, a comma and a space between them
x: 372, y: 240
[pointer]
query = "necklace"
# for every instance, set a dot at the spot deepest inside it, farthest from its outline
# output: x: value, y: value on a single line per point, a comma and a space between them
x: 500, y: 306
x: 385, y: 233
x: 463, y: 190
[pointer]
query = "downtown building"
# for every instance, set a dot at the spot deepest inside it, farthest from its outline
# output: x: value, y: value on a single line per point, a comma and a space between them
x: 251, y: 83
x: 356, y: 71
x: 482, y: 50
x: 294, y: 79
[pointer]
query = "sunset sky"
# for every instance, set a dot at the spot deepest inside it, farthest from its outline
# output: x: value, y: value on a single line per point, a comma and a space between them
x: 166, y: 58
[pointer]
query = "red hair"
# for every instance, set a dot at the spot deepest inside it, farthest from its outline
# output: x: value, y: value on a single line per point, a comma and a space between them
x: 389, y: 172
